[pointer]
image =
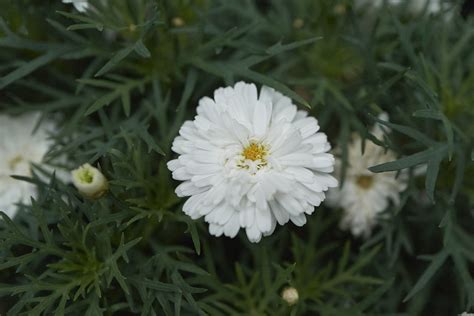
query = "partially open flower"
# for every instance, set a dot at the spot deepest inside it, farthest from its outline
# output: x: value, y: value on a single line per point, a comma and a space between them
x: 89, y: 181
x: 290, y: 295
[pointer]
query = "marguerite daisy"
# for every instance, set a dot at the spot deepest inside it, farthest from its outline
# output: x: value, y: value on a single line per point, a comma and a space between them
x: 250, y: 161
x: 19, y: 148
x: 413, y: 6
x: 365, y: 195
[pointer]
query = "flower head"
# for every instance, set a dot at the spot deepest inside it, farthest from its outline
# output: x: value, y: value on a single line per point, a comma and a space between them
x: 19, y: 149
x: 364, y: 195
x: 250, y: 161
x: 80, y: 5
x: 89, y: 181
x: 413, y: 6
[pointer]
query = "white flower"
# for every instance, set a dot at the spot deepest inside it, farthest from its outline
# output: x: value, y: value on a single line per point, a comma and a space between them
x: 80, y: 5
x: 413, y: 6
x: 19, y: 148
x: 89, y: 181
x: 290, y: 295
x: 364, y: 195
x: 250, y: 161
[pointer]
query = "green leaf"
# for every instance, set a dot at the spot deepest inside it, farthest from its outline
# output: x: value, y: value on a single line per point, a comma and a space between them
x: 431, y: 176
x: 375, y: 296
x: 141, y: 49
x: 126, y: 102
x: 437, y: 115
x: 223, y: 39
x: 195, y: 237
x: 465, y: 276
x: 119, y: 91
x: 85, y: 26
x: 459, y: 175
x: 103, y: 101
x: 408, y: 131
x: 115, y: 60
x: 98, y: 83
x: 150, y: 141
x: 30, y: 66
x: 278, y: 48
x: 405, y: 39
x: 86, y: 20
x: 434, y: 266
x: 410, y: 161
x: 274, y: 50
x: 429, y: 114
x: 70, y: 35
x: 268, y: 81
x: 157, y: 285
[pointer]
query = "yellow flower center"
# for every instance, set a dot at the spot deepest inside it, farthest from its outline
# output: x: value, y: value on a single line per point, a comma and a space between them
x: 12, y: 163
x: 364, y: 181
x: 255, y: 151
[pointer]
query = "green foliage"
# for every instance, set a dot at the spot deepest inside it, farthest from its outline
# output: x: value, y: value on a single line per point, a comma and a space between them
x: 122, y: 78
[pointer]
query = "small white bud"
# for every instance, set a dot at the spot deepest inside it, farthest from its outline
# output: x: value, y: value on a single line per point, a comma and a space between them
x: 290, y: 295
x: 178, y: 21
x: 89, y: 181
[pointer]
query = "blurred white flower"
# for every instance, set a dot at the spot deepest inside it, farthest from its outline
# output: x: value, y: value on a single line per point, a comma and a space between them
x: 80, y: 5
x: 250, y: 161
x: 19, y: 148
x: 413, y: 6
x: 89, y: 181
x: 290, y: 295
x: 364, y: 195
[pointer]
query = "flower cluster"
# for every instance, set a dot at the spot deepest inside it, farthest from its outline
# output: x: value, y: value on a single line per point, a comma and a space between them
x: 248, y: 160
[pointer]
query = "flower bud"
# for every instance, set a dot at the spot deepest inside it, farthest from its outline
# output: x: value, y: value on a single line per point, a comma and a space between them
x: 178, y: 21
x: 89, y: 181
x: 290, y: 295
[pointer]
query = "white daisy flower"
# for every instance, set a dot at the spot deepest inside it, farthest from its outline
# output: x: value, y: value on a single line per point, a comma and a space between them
x: 413, y: 6
x: 19, y: 148
x: 250, y: 161
x: 364, y: 195
x: 80, y: 5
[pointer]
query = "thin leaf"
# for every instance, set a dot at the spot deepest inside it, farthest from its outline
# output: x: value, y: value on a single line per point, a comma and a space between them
x: 30, y: 66
x: 141, y: 49
x: 435, y: 265
x: 410, y: 161
x: 431, y: 176
x: 115, y: 60
x: 268, y: 81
